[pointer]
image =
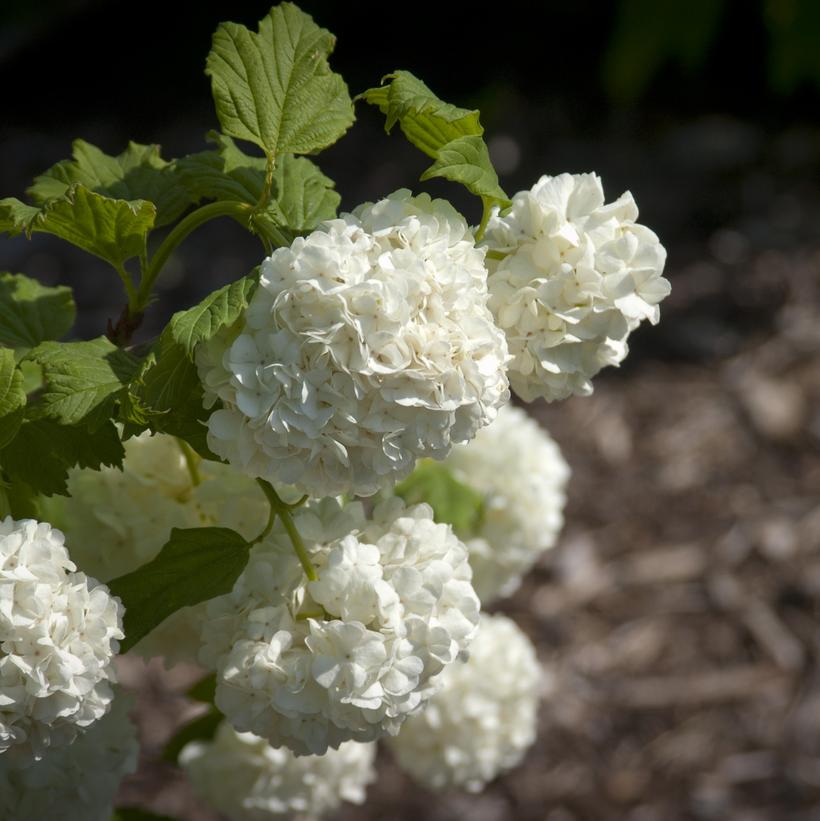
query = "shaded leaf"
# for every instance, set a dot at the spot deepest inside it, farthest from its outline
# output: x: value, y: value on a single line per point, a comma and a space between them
x: 31, y: 313
x: 12, y: 397
x: 202, y: 728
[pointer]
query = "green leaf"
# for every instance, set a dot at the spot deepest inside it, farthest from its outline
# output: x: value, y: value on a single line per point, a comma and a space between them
x: 452, y: 501
x: 194, y: 565
x: 12, y: 397
x: 31, y: 313
x: 275, y: 88
x: 218, y: 309
x: 428, y: 122
x: 138, y: 173
x: 300, y: 195
x: 467, y: 160
x: 202, y: 728
x: 451, y: 136
x: 43, y: 451
x: 115, y: 230
x: 19, y: 501
x: 82, y: 379
x: 170, y: 396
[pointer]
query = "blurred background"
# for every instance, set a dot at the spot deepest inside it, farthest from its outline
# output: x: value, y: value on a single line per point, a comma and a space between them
x: 677, y: 620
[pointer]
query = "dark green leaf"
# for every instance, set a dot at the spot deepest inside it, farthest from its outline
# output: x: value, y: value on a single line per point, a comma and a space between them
x: 275, y: 88
x: 204, y: 690
x: 31, y: 313
x: 12, y: 397
x: 43, y: 451
x: 452, y: 501
x: 193, y: 566
x: 202, y: 728
x: 82, y: 379
x: 138, y: 173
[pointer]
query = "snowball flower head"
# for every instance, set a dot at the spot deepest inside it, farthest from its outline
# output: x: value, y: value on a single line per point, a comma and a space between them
x: 76, y: 783
x: 482, y: 720
x: 577, y: 277
x: 243, y: 777
x: 519, y: 470
x: 309, y: 665
x: 58, y: 635
x: 367, y: 344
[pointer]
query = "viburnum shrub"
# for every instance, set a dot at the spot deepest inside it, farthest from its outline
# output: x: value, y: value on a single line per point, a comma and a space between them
x: 204, y: 496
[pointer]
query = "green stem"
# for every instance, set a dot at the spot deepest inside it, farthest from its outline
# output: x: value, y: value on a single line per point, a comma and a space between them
x: 129, y: 289
x: 282, y: 510
x: 229, y: 208
x: 485, y: 218
x: 192, y: 461
x: 499, y: 255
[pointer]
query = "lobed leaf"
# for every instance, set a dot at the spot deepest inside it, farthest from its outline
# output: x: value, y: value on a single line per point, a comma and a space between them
x: 82, y: 380
x: 31, y: 313
x: 113, y: 229
x: 194, y: 565
x: 138, y: 173
x: 275, y: 88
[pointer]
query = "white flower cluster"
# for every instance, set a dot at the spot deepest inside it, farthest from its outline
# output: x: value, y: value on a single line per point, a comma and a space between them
x: 308, y: 665
x: 577, y: 278
x: 58, y: 635
x: 76, y: 783
x: 117, y: 520
x: 243, y: 777
x: 367, y: 345
x: 482, y: 720
x: 519, y: 470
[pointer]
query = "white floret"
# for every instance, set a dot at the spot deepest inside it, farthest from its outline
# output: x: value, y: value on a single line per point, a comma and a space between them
x: 578, y: 276
x: 367, y: 345
x: 242, y: 776
x: 482, y: 720
x: 76, y: 783
x: 519, y: 470
x: 309, y: 665
x: 59, y: 632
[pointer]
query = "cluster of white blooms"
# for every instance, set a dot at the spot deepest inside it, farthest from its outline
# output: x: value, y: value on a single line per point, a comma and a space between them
x: 76, y: 783
x: 117, y: 520
x: 308, y: 665
x: 58, y: 635
x: 482, y: 719
x: 243, y: 777
x: 367, y: 345
x: 519, y: 470
x: 577, y: 278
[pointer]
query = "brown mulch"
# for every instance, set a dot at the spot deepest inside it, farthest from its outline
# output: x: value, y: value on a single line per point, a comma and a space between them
x: 676, y: 621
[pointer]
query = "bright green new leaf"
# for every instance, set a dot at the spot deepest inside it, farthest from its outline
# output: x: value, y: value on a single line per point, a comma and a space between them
x: 428, y: 122
x: 275, y: 88
x: 300, y: 195
x: 452, y: 501
x: 12, y: 397
x: 202, y: 728
x: 218, y: 309
x: 115, y: 230
x: 451, y: 136
x: 194, y: 565
x: 467, y: 160
x: 43, y: 451
x: 82, y: 380
x: 138, y: 173
x: 31, y: 313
